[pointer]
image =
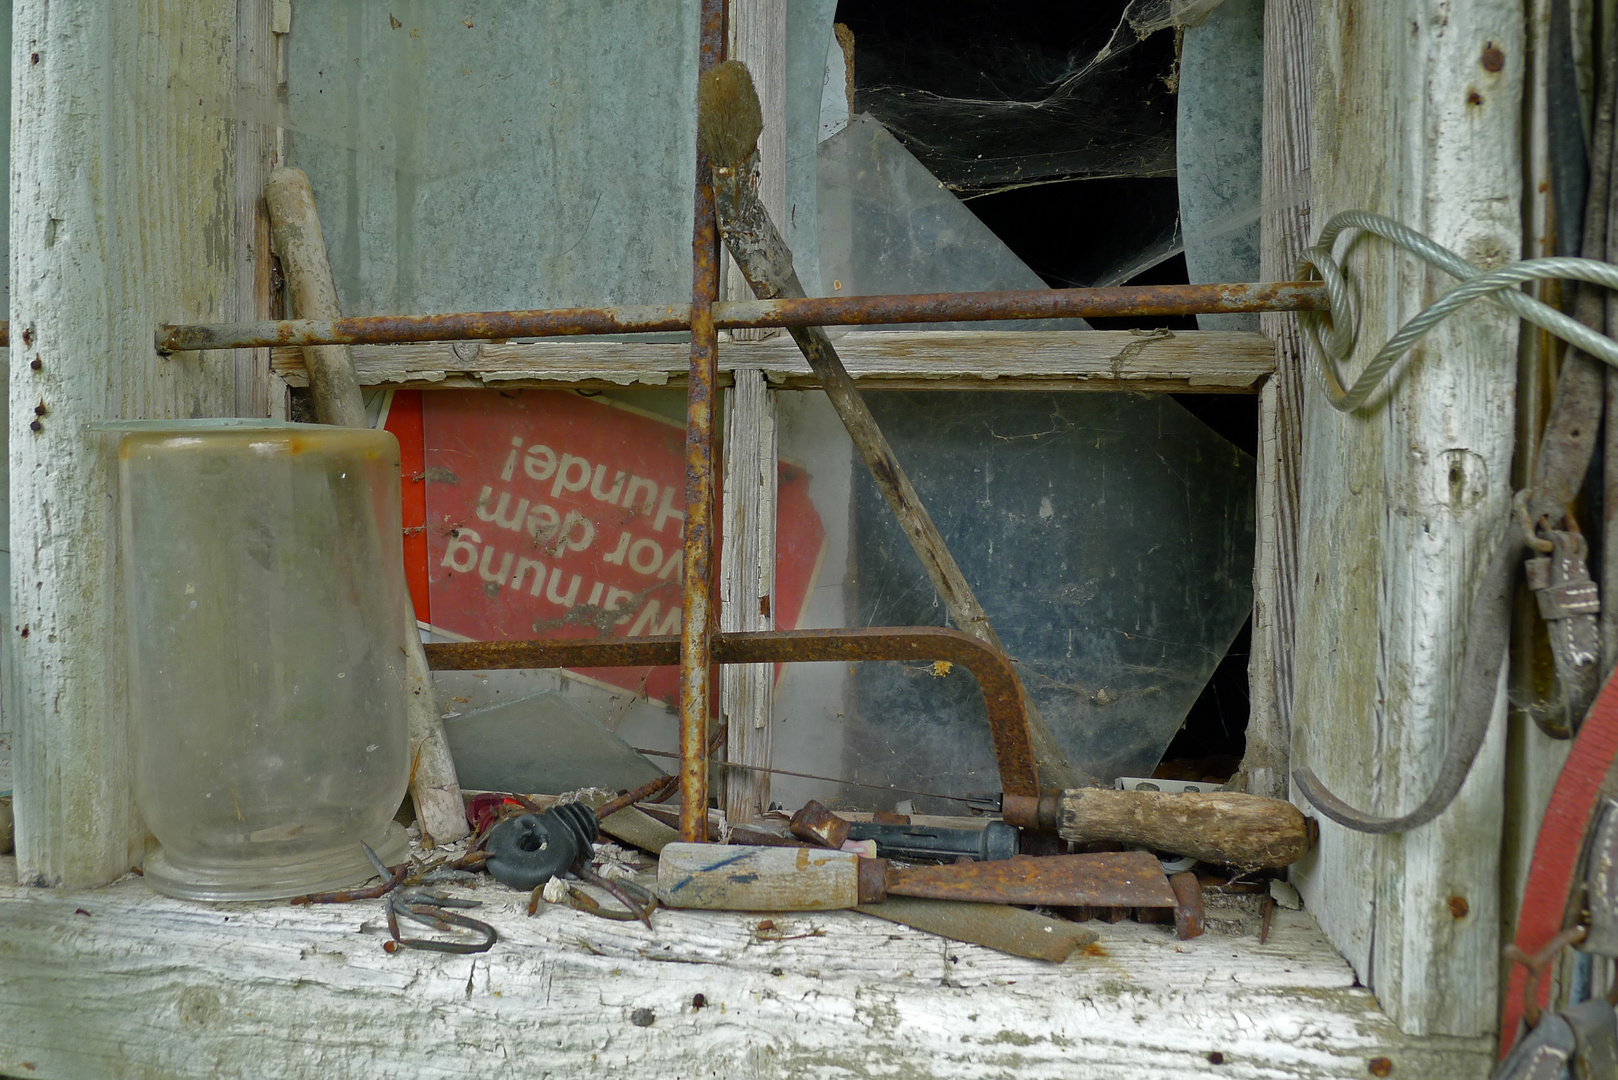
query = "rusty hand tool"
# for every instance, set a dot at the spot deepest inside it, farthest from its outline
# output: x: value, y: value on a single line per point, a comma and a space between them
x: 1229, y: 828
x: 1008, y: 722
x: 935, y: 843
x: 807, y: 879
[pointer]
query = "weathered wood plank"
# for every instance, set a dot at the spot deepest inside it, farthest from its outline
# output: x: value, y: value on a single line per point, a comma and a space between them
x: 1284, y: 232
x: 1415, y: 110
x: 758, y: 38
x: 123, y: 216
x: 118, y: 982
x: 747, y: 585
x: 1182, y: 361
x: 256, y: 145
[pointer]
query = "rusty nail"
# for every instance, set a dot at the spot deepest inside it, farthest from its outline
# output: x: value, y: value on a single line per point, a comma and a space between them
x: 1190, y: 918
x: 1493, y: 59
x: 35, y: 425
x: 36, y: 363
x: 1458, y: 907
x: 1215, y: 1057
x: 1380, y: 1066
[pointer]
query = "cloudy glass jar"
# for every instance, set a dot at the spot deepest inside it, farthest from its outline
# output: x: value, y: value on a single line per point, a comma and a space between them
x: 266, y: 602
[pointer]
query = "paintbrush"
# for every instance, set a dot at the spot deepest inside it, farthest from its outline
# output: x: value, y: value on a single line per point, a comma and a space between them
x: 729, y: 122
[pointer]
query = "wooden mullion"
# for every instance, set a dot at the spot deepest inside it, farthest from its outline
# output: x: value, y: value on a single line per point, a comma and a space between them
x: 747, y: 584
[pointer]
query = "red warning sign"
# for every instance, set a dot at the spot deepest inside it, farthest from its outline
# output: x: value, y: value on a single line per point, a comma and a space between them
x: 548, y: 514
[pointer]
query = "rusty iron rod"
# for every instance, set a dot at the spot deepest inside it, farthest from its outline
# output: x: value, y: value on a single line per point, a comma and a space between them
x: 696, y: 620
x: 1008, y: 724
x: 1110, y: 302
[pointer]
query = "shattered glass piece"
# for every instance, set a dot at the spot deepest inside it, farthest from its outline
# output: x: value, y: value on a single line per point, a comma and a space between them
x: 1221, y: 119
x: 887, y: 225
x: 1108, y: 537
x: 542, y: 744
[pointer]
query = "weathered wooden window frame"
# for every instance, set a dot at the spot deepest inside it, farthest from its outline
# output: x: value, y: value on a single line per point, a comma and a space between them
x: 755, y: 373
x: 101, y: 163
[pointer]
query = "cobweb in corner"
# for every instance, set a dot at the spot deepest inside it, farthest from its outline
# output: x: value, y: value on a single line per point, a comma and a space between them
x: 1001, y: 98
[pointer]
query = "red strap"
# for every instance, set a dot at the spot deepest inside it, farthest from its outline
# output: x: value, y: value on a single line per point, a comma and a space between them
x: 1558, y: 846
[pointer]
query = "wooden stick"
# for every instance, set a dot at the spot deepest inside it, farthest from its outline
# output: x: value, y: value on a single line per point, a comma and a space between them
x: 295, y: 235
x: 766, y: 262
x: 1249, y: 832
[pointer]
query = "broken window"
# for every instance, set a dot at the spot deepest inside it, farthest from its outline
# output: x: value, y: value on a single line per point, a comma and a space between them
x: 532, y: 157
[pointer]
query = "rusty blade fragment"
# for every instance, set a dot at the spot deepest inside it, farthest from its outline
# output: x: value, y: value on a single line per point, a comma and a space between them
x: 995, y: 926
x: 1126, y: 879
x: 819, y: 826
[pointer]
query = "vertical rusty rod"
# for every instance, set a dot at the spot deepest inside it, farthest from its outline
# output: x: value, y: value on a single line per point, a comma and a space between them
x: 696, y: 637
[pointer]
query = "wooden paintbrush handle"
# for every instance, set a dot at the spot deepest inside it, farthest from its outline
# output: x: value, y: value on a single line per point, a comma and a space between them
x: 1228, y: 828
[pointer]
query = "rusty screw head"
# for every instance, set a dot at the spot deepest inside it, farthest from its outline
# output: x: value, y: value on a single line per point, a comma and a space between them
x: 1493, y: 60
x: 1215, y: 1057
x: 1458, y: 907
x: 1380, y: 1066
x: 699, y: 1001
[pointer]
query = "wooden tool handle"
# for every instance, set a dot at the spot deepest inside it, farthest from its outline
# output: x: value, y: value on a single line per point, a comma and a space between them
x: 1232, y: 829
x: 735, y: 878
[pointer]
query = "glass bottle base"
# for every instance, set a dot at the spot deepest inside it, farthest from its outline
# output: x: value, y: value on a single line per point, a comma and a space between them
x: 325, y: 872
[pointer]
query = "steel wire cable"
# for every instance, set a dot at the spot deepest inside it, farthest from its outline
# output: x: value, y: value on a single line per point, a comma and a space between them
x: 1329, y: 338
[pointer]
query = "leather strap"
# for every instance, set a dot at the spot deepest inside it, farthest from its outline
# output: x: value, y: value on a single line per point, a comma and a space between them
x: 1557, y: 848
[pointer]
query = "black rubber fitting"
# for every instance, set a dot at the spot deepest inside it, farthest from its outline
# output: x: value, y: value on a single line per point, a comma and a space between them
x: 528, y: 850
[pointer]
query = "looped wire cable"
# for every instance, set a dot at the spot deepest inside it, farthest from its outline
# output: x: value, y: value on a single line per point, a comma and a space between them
x: 1330, y: 342
x: 1330, y: 338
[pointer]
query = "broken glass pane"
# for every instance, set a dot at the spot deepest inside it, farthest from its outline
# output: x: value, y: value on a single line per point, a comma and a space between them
x: 1108, y: 536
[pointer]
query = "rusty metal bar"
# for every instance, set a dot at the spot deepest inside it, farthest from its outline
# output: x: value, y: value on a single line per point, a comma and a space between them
x: 696, y: 620
x: 1132, y: 300
x: 1008, y: 724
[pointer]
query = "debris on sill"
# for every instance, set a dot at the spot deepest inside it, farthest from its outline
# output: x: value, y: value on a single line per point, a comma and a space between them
x: 967, y: 879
